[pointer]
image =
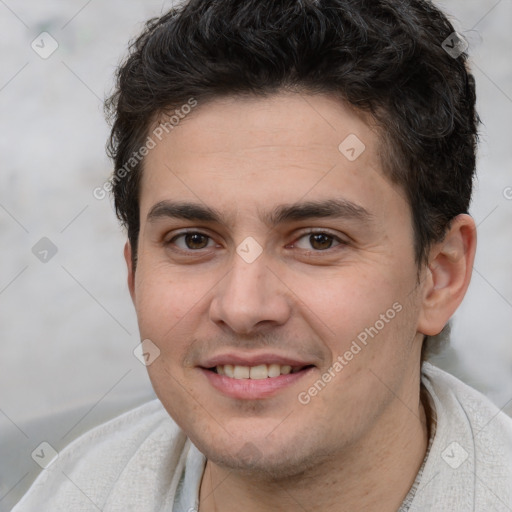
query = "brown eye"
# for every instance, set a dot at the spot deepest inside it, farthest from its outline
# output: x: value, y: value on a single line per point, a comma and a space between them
x: 320, y: 241
x: 196, y: 241
x: 316, y: 242
x: 192, y: 241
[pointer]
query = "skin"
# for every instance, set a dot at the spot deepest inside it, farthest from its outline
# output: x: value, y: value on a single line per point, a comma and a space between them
x: 359, y: 442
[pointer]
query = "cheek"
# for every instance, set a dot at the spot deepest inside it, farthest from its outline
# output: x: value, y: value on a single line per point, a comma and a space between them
x: 171, y: 305
x: 347, y: 302
x: 162, y: 301
x: 169, y: 292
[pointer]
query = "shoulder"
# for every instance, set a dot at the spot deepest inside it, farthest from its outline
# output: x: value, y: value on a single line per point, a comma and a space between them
x: 459, y: 399
x: 470, y: 463
x: 142, y: 446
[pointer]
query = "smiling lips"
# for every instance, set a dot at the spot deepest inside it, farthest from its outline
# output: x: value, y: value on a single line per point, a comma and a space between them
x: 261, y: 371
x: 255, y: 379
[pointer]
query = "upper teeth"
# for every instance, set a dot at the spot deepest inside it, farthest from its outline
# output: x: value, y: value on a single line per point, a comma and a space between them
x: 261, y: 371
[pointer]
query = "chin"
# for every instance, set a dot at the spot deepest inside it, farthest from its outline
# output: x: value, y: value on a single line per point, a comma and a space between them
x: 261, y: 461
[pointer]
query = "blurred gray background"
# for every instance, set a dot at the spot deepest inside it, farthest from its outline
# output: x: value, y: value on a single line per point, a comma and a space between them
x: 68, y: 328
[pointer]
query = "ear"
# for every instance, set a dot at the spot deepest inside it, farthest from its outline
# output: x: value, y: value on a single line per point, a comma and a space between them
x: 129, y: 266
x: 448, y: 274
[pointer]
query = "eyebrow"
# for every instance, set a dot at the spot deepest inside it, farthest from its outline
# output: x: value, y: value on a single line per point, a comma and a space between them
x: 332, y: 208
x: 185, y: 211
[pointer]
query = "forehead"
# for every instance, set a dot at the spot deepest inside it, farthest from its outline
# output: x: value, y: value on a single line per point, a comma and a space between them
x: 236, y: 152
x: 296, y: 120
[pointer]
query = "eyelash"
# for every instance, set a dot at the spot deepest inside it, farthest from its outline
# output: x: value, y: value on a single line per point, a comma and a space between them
x: 184, y: 234
x: 335, y: 238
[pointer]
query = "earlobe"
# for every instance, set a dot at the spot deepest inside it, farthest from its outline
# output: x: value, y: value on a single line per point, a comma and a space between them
x: 129, y: 266
x: 448, y: 275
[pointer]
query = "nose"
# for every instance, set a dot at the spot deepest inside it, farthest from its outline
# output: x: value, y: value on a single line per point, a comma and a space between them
x: 250, y: 298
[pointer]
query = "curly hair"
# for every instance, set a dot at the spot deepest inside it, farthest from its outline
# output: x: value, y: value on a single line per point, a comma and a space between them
x: 384, y: 57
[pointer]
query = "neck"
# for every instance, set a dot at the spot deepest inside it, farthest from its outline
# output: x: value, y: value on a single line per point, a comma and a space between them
x: 374, y: 475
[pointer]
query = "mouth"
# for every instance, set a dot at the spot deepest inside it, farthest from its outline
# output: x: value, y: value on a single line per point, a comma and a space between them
x: 256, y: 381
x: 258, y: 372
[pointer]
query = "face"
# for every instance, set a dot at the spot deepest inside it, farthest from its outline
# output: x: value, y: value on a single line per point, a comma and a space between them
x: 276, y: 276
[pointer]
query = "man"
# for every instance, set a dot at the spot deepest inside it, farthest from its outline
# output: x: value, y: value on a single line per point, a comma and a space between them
x: 295, y: 178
